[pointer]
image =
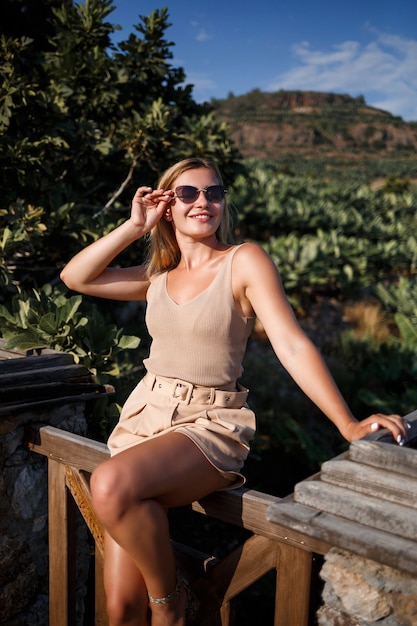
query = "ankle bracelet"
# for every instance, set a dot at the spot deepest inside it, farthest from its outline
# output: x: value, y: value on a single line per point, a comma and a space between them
x: 167, y: 598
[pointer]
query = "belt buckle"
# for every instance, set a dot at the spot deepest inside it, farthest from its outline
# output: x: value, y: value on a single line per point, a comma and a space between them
x: 183, y: 385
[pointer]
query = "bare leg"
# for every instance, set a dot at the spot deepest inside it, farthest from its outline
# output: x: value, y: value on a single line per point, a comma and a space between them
x: 126, y: 594
x: 131, y: 493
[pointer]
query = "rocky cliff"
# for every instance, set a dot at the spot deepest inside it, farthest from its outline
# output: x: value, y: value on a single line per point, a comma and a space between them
x: 265, y: 125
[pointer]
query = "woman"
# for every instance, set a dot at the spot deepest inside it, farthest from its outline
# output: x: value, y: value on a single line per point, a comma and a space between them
x: 184, y: 431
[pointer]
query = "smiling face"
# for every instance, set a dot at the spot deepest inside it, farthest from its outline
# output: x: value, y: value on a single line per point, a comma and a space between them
x: 200, y: 218
x: 214, y: 221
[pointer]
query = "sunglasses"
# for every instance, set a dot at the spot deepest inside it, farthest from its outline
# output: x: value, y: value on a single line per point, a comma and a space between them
x: 188, y: 194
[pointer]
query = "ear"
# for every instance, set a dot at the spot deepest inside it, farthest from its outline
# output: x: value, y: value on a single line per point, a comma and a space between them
x: 168, y: 214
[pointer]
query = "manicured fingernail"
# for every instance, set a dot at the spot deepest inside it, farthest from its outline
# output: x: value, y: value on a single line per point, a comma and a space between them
x: 400, y: 440
x: 374, y: 426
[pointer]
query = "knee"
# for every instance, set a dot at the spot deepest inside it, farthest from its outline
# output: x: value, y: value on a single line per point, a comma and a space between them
x: 110, y: 492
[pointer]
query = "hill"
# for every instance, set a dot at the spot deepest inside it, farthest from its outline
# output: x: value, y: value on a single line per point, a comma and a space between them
x: 315, y: 125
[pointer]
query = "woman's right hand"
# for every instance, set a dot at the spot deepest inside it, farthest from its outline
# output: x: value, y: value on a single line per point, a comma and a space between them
x: 89, y: 271
x: 148, y: 206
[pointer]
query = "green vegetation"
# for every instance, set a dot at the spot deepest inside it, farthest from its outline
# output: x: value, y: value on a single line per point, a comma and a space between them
x: 83, y: 123
x: 349, y: 244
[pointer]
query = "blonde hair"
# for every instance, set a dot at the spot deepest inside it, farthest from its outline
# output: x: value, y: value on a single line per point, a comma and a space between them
x: 164, y: 253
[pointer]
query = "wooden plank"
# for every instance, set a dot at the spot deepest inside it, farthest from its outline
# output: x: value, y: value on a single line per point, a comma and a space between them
x: 47, y: 391
x: 227, y: 614
x: 245, y: 565
x: 100, y: 617
x: 376, y: 482
x: 248, y: 508
x: 13, y: 362
x: 58, y: 545
x: 293, y: 586
x: 225, y: 579
x: 411, y: 417
x: 7, y: 409
x: 384, y: 436
x: 384, y: 515
x: 79, y: 487
x: 47, y: 374
x: 384, y: 455
x: 70, y: 449
x: 371, y: 543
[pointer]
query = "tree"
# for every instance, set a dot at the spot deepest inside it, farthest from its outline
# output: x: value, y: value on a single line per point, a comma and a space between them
x: 83, y: 122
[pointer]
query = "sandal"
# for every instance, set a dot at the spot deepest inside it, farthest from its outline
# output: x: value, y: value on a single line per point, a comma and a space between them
x: 192, y: 603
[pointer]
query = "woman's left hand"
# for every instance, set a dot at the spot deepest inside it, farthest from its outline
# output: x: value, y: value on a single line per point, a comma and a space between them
x: 397, y: 425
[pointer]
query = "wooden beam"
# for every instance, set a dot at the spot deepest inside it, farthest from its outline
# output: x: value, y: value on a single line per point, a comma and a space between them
x: 47, y: 375
x: 373, y: 512
x: 368, y: 542
x: 61, y: 545
x: 16, y: 360
x: 100, y: 596
x: 79, y: 487
x: 372, y: 481
x: 242, y: 567
x: 386, y: 456
x: 292, y: 596
x: 69, y: 449
x: 248, y: 509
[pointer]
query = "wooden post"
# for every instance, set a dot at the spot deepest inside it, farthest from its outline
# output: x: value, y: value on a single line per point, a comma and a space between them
x: 292, y: 598
x: 227, y: 614
x: 100, y: 598
x: 61, y: 548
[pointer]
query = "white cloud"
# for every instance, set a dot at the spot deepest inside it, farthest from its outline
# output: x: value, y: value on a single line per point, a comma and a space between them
x: 384, y: 71
x: 204, y: 86
x: 203, y: 35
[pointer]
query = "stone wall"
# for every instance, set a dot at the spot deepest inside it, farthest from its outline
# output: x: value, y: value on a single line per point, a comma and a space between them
x: 24, y: 518
x: 360, y: 592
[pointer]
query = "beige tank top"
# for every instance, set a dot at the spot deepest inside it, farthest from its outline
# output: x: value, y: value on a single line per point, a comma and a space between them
x: 201, y: 341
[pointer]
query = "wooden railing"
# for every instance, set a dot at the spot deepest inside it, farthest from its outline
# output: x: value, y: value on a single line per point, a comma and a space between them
x: 271, y: 546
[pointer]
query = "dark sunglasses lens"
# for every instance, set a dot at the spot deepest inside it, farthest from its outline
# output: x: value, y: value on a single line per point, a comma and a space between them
x: 215, y: 193
x: 186, y: 193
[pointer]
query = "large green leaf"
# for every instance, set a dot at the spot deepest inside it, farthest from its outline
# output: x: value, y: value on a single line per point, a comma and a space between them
x: 26, y: 340
x: 47, y: 324
x: 408, y: 330
x: 129, y: 342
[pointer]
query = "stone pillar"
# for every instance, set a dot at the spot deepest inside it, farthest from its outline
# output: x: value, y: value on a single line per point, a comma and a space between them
x: 360, y: 592
x: 24, y: 518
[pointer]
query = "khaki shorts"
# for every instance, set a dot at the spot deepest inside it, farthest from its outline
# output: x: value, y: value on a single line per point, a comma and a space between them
x: 218, y: 421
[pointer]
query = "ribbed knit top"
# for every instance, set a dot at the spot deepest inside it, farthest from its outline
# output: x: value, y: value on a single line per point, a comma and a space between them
x: 203, y: 340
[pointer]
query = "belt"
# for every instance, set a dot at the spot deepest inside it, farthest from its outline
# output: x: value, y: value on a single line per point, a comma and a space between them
x: 187, y: 393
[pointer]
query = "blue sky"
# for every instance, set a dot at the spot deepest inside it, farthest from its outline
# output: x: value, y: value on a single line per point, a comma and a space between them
x: 360, y: 47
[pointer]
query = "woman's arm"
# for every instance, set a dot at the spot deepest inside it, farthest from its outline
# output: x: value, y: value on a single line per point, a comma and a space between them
x: 88, y: 272
x: 263, y: 289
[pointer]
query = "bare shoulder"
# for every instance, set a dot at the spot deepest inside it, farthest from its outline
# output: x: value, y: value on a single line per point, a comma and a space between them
x: 250, y: 260
x: 249, y: 251
x: 255, y: 278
